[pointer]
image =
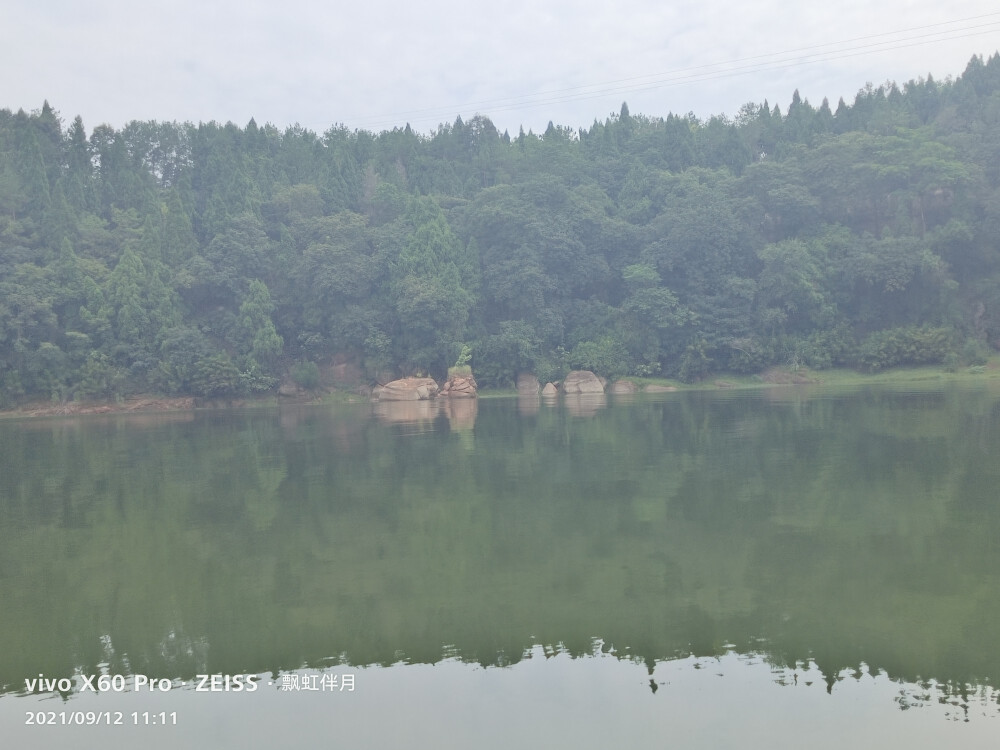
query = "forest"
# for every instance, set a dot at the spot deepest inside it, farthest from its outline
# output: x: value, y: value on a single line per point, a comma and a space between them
x: 217, y: 260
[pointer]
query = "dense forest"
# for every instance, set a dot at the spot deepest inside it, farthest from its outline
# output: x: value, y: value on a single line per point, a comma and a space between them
x: 215, y: 260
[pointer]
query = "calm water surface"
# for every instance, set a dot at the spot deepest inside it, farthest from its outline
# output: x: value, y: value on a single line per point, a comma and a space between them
x: 763, y: 569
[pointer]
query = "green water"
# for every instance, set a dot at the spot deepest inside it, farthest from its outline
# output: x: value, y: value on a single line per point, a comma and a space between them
x: 701, y: 566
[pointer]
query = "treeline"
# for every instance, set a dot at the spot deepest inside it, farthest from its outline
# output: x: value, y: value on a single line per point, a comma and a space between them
x: 213, y: 260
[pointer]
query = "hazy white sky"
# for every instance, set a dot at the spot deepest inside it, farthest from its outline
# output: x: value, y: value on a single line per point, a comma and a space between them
x: 379, y: 64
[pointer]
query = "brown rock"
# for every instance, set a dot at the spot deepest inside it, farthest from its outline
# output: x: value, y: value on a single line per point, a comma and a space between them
x: 460, y: 386
x: 582, y: 381
x: 528, y: 384
x: 289, y: 390
x: 549, y: 390
x: 409, y: 389
x: 624, y: 386
x: 652, y: 388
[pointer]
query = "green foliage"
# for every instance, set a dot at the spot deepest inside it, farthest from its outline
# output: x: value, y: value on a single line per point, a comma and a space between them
x: 200, y: 258
x: 184, y: 355
x: 975, y: 353
x: 306, y: 375
x: 216, y: 376
x: 464, y: 357
x: 607, y: 356
x: 501, y: 356
x: 827, y: 348
x: 695, y: 364
x: 48, y: 370
x: 904, y: 346
x: 254, y: 380
x: 378, y: 352
x: 99, y: 378
x: 260, y: 343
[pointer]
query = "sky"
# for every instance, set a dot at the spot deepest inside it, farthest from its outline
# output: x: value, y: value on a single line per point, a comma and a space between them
x: 377, y: 65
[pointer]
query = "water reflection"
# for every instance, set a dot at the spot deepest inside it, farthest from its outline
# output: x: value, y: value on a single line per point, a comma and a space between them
x: 528, y: 403
x: 584, y: 404
x: 601, y: 701
x: 407, y: 411
x: 810, y: 533
x: 461, y: 412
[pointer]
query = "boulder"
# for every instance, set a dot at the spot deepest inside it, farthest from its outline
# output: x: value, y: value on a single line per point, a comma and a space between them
x: 289, y: 390
x: 460, y: 386
x: 582, y: 381
x: 549, y: 390
x: 409, y: 389
x: 652, y: 388
x: 527, y: 384
x: 624, y: 386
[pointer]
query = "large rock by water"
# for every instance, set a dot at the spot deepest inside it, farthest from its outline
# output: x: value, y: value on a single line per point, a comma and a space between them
x: 408, y: 389
x: 651, y: 388
x: 582, y: 381
x: 288, y: 389
x: 550, y: 390
x: 624, y: 386
x: 527, y: 384
x: 460, y: 386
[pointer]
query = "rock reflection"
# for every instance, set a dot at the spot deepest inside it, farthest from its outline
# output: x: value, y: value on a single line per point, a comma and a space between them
x: 407, y: 411
x: 585, y: 404
x: 528, y: 404
x: 461, y: 412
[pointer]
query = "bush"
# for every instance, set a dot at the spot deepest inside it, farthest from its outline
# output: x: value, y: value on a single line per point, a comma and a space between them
x: 306, y: 375
x: 749, y: 355
x: 827, y: 348
x: 607, y: 356
x: 98, y: 378
x: 215, y: 376
x: 975, y: 353
x: 695, y: 364
x: 904, y: 346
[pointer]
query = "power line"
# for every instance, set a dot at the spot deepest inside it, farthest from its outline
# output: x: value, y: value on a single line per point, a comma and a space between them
x: 704, y: 72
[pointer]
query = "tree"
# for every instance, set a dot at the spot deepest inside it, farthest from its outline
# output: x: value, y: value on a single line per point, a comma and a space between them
x: 426, y: 288
x: 260, y: 343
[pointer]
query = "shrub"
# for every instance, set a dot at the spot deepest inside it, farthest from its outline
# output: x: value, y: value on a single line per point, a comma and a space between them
x: 215, y: 376
x: 904, y: 346
x: 306, y: 375
x: 974, y: 353
x: 607, y: 356
x: 695, y: 364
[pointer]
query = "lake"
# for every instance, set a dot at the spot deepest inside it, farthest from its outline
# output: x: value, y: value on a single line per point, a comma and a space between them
x: 783, y: 567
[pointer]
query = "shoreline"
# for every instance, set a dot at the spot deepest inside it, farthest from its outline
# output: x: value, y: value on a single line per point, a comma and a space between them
x: 151, y: 403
